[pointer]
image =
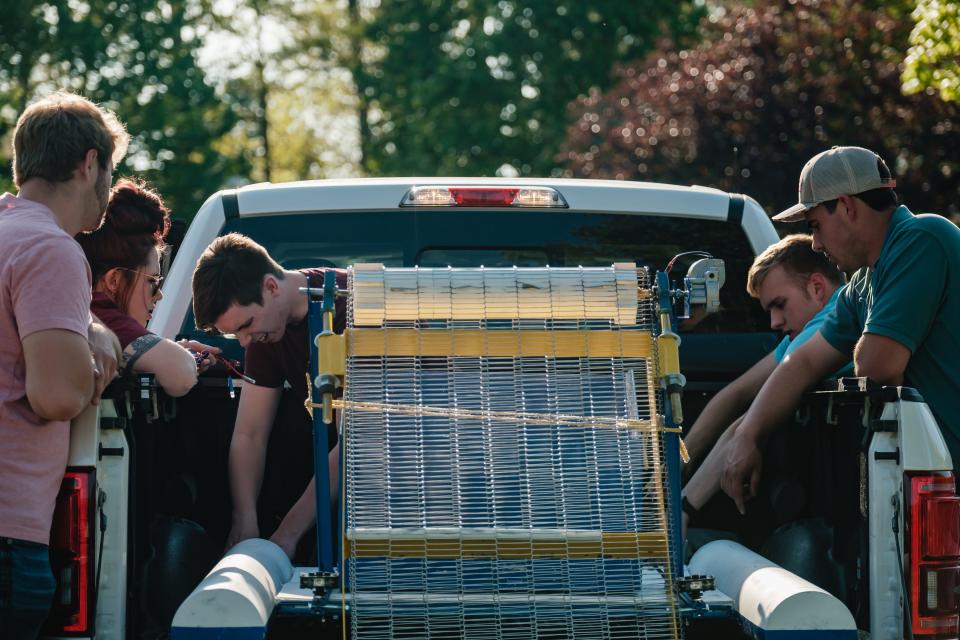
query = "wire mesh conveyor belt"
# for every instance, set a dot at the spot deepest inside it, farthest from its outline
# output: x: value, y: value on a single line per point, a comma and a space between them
x: 503, y: 456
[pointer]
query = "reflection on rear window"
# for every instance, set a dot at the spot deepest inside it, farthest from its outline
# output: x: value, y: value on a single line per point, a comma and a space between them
x: 465, y: 238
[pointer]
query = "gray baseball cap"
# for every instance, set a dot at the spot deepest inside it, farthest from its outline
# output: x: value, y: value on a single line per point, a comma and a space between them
x: 840, y: 171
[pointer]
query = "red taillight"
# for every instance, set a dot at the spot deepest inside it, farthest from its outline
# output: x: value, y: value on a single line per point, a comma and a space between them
x: 72, y: 555
x: 483, y: 197
x: 933, y: 530
x: 470, y: 196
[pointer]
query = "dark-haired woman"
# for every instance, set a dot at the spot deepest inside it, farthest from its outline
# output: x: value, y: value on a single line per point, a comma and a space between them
x: 124, y: 256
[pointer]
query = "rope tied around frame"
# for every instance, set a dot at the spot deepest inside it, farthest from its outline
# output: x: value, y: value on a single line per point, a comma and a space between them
x: 558, y: 419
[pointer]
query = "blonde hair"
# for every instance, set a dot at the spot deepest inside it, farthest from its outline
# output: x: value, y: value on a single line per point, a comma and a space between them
x: 54, y: 134
x: 796, y: 255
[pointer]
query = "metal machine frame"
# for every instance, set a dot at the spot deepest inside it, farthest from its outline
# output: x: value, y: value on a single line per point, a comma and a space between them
x: 328, y: 357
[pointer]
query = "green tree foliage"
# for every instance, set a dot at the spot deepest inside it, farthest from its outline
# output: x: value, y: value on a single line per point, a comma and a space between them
x: 137, y: 58
x: 771, y: 85
x: 466, y: 86
x: 934, y: 58
x: 281, y: 66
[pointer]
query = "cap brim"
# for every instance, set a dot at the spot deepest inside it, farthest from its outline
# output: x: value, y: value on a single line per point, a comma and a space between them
x: 795, y: 213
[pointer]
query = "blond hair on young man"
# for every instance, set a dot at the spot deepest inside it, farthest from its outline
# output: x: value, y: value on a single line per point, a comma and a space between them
x: 796, y: 255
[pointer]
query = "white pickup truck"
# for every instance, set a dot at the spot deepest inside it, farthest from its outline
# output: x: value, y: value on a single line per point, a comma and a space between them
x: 863, y: 499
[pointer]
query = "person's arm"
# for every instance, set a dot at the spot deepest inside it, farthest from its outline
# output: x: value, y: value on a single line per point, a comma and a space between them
x: 907, y: 300
x: 67, y: 359
x: 59, y: 368
x: 174, y: 367
x: 881, y: 359
x: 813, y: 360
x: 298, y: 519
x: 105, y: 349
x: 248, y: 449
x: 303, y: 513
x: 726, y: 406
x: 706, y: 481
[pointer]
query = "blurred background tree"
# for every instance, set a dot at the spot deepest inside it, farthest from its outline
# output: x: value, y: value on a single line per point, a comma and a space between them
x: 934, y: 57
x: 475, y: 87
x: 282, y: 66
x: 138, y: 58
x: 771, y: 85
x: 733, y: 94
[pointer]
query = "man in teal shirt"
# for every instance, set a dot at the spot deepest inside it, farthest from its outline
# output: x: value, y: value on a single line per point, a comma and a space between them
x: 898, y: 315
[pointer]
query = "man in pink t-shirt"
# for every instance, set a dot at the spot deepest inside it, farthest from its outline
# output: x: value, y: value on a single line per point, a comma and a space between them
x: 53, y: 360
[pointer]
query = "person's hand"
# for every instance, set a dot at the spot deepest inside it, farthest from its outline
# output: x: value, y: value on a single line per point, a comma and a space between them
x: 202, y: 353
x: 741, y: 475
x: 286, y: 542
x: 244, y: 527
x: 106, y: 353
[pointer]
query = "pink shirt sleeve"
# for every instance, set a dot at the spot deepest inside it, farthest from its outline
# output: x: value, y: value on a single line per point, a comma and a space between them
x: 53, y: 290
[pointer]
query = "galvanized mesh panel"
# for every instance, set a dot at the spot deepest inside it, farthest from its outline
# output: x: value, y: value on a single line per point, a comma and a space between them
x: 513, y: 486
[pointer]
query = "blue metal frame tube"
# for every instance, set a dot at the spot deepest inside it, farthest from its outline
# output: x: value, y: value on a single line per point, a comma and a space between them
x: 321, y: 465
x: 671, y: 443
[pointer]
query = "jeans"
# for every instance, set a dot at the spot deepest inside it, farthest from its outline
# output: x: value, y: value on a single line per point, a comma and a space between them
x: 26, y: 588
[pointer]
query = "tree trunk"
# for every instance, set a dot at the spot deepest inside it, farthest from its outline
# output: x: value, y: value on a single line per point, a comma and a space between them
x: 263, y: 121
x: 359, y: 80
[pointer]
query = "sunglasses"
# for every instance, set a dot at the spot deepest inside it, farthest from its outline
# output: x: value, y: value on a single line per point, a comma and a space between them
x: 155, y: 280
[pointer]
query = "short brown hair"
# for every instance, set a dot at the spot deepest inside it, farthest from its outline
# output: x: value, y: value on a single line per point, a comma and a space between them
x: 229, y: 271
x: 54, y: 133
x: 796, y: 255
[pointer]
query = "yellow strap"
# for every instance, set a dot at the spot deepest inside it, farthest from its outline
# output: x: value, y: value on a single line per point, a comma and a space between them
x: 478, y: 343
x: 611, y: 545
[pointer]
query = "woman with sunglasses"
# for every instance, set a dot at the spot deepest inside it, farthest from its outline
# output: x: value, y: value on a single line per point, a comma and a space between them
x: 124, y: 256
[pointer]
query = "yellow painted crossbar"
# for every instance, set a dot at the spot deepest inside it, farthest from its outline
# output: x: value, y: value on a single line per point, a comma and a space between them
x: 499, y: 343
x: 605, y: 545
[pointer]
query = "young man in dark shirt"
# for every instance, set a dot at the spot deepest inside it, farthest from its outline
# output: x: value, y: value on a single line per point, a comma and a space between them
x: 239, y: 289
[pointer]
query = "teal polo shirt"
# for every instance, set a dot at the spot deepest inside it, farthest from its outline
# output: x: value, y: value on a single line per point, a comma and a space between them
x: 787, y: 346
x: 912, y: 295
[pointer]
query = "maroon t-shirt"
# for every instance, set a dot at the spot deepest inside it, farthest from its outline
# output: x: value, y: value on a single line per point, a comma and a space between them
x: 273, y: 363
x: 126, y: 328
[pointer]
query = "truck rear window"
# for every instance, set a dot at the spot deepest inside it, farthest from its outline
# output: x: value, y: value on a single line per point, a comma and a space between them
x: 463, y: 238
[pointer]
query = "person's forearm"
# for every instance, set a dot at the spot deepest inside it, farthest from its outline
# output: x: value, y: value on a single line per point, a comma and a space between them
x: 778, y: 398
x: 726, y: 406
x: 706, y: 481
x: 882, y: 359
x: 301, y: 516
x: 722, y: 409
x: 59, y: 374
x: 333, y: 463
x: 174, y: 367
x: 246, y: 464
x: 106, y: 353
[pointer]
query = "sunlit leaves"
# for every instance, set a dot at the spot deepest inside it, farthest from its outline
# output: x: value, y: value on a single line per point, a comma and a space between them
x: 933, y: 60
